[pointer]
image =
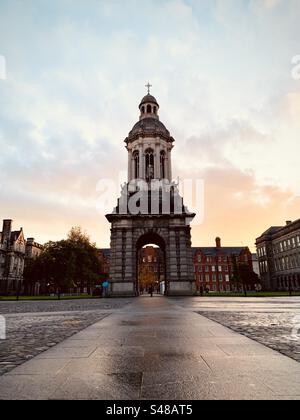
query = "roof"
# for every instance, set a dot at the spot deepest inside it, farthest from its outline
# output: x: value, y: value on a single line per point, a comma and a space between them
x: 149, y: 126
x: 214, y: 251
x: 205, y: 250
x: 272, y: 230
x: 149, y: 98
x: 106, y: 252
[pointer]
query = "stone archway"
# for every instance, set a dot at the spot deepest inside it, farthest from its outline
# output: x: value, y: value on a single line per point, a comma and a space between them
x: 150, y: 237
x: 170, y: 232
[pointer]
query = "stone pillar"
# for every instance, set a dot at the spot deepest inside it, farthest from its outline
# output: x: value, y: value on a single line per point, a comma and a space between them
x: 142, y: 162
x: 130, y: 173
x: 157, y: 162
x: 169, y: 166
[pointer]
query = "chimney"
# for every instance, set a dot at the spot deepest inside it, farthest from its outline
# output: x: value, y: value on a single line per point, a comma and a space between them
x: 6, y: 231
x: 288, y: 222
x: 218, y: 242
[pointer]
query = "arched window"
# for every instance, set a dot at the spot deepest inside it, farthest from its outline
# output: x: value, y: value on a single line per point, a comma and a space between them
x: 143, y: 110
x: 136, y: 158
x: 149, y: 109
x: 154, y: 109
x: 162, y: 164
x: 149, y: 154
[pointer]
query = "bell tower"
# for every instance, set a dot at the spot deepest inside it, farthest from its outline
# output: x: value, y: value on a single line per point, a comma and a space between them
x: 149, y: 145
x: 150, y: 210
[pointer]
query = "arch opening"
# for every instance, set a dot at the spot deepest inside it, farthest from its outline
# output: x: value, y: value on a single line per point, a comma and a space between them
x: 136, y: 157
x: 149, y: 157
x: 150, y: 264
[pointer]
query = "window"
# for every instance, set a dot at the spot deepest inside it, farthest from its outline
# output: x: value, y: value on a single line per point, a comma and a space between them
x: 207, y: 278
x: 199, y: 258
x: 143, y: 110
x: 149, y: 164
x: 162, y: 164
x: 136, y: 157
x: 149, y: 109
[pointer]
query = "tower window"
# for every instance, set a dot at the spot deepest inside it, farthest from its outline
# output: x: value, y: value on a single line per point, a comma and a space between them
x: 162, y: 164
x: 143, y: 110
x: 136, y: 158
x: 149, y: 164
x: 149, y: 109
x: 154, y: 109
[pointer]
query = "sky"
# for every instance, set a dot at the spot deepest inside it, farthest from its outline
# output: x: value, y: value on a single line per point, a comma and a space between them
x: 222, y: 73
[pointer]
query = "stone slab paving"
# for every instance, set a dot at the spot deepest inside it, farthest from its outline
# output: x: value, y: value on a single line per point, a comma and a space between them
x: 155, y: 348
x: 274, y: 322
x: 35, y: 326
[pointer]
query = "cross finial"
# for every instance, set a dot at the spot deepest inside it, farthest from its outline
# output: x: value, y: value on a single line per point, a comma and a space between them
x: 148, y: 86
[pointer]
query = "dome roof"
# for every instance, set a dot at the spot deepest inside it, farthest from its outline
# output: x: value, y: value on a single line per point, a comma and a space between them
x: 149, y: 127
x: 149, y: 98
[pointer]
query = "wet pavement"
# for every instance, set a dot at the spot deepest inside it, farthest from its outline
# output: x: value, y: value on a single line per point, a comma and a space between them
x: 274, y: 322
x: 35, y: 326
x: 156, y: 348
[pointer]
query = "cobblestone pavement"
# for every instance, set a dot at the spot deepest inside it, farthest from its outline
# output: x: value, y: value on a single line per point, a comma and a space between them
x: 24, y: 306
x: 35, y: 326
x: 273, y: 329
x: 270, y: 321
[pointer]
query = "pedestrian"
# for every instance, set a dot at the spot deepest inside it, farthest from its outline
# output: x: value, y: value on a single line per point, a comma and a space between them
x: 151, y: 290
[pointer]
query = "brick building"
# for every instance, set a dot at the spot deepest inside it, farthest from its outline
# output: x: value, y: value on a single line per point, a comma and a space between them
x: 104, y: 257
x: 213, y: 266
x: 278, y: 250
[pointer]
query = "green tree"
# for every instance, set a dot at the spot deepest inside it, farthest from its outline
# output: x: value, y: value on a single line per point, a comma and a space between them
x: 65, y: 264
x: 243, y: 276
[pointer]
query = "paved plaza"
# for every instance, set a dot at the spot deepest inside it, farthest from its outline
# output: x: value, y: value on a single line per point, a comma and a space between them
x: 150, y: 348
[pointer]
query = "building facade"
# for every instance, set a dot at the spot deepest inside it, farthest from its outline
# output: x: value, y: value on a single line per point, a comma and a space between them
x: 150, y: 210
x: 104, y: 257
x: 214, y: 266
x: 278, y: 250
x: 12, y: 258
x: 14, y: 250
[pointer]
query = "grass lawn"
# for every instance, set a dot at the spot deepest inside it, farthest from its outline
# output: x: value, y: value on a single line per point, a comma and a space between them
x: 252, y: 294
x: 65, y: 297
x: 211, y: 294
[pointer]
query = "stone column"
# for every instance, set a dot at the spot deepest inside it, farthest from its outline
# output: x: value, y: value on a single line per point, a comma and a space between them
x: 169, y: 166
x: 157, y: 174
x: 130, y: 173
x: 142, y: 162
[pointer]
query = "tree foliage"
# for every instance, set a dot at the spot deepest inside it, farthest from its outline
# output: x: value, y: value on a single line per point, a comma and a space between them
x: 65, y: 264
x: 243, y: 276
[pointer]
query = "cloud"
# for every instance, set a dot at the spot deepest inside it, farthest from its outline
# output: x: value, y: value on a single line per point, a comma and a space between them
x: 221, y: 73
